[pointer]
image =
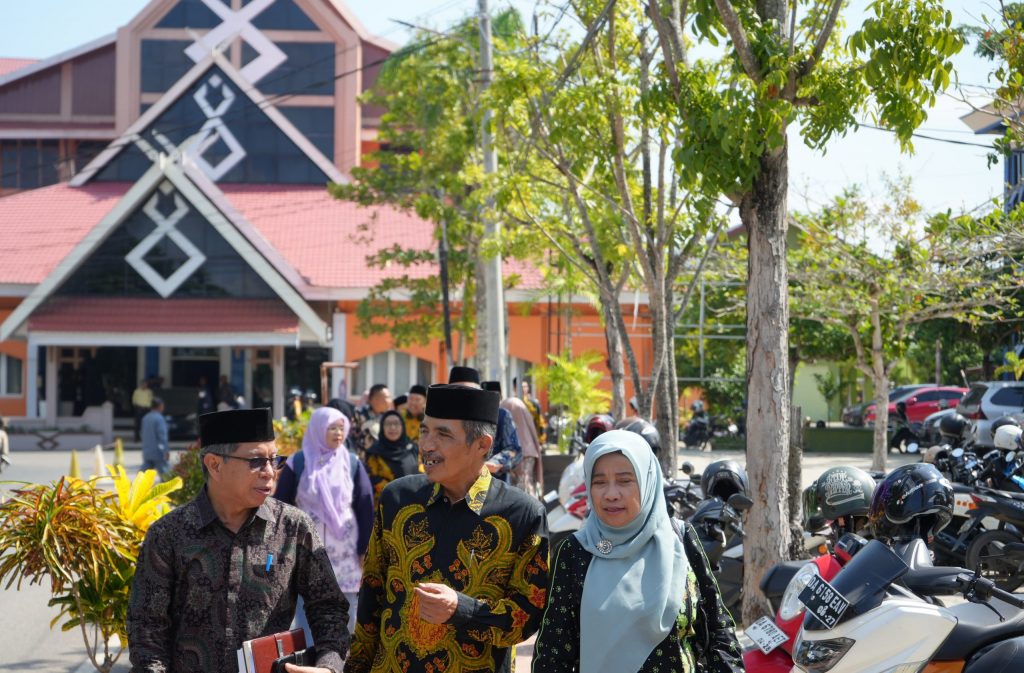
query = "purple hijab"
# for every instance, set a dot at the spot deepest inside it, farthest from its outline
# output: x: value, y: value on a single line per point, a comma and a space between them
x: 325, y: 487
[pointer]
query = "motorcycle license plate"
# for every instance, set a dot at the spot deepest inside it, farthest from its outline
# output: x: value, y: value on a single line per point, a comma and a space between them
x: 823, y: 601
x: 766, y: 635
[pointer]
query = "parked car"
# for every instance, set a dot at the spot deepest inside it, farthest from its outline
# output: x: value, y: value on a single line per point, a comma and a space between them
x: 930, y: 427
x: 988, y: 401
x: 854, y: 415
x: 921, y: 402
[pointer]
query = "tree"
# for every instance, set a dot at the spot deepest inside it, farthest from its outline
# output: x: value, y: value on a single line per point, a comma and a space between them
x: 878, y: 271
x: 429, y: 163
x: 595, y: 175
x: 1000, y: 39
x: 784, y: 64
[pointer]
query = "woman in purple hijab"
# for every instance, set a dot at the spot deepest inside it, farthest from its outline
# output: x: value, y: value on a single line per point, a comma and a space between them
x: 330, y: 484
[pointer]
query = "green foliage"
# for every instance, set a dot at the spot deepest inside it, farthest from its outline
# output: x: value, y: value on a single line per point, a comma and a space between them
x: 829, y: 386
x: 189, y: 469
x: 86, y: 542
x: 1014, y: 365
x: 572, y: 383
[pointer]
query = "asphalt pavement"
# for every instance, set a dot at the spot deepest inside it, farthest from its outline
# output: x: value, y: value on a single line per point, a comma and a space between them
x: 28, y: 643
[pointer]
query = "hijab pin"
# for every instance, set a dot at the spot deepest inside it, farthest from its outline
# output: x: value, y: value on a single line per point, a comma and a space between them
x: 604, y: 546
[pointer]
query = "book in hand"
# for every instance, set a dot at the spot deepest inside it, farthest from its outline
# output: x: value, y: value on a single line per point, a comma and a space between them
x: 260, y: 654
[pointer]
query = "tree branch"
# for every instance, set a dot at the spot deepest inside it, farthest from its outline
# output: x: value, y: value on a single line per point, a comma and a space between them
x: 739, y: 39
x: 823, y: 37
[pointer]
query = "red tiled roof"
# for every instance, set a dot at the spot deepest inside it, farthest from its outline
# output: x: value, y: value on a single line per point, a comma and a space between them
x: 39, y: 227
x: 9, y: 65
x: 327, y: 240
x: 134, y: 315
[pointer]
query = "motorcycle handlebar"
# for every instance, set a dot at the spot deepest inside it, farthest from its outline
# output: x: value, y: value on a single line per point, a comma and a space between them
x: 984, y: 588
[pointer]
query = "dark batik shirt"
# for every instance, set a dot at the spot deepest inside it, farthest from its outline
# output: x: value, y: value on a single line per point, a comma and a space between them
x: 704, y: 632
x: 200, y: 590
x: 491, y: 547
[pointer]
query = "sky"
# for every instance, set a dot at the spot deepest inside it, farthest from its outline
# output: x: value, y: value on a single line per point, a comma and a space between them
x: 946, y: 176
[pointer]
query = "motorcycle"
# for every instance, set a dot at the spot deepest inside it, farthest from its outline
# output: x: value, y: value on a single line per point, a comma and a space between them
x: 698, y: 432
x: 719, y: 528
x: 861, y: 621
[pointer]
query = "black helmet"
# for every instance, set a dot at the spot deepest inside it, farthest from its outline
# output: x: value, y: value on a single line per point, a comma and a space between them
x: 597, y: 425
x: 952, y: 427
x: 1004, y: 420
x: 913, y: 501
x: 844, y: 491
x: 643, y: 428
x: 722, y: 479
x: 813, y: 520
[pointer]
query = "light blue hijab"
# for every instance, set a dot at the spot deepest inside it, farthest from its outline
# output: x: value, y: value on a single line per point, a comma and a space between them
x: 636, y: 581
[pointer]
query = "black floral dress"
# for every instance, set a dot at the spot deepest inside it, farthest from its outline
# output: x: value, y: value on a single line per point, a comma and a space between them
x: 704, y: 640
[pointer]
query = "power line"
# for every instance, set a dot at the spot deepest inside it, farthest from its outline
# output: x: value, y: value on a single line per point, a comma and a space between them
x: 927, y: 137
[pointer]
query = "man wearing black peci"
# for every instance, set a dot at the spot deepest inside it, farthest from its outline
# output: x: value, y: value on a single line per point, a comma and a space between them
x: 456, y: 573
x: 229, y: 566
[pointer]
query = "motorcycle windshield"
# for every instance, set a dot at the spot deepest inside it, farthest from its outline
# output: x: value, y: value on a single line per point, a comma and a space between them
x: 864, y: 581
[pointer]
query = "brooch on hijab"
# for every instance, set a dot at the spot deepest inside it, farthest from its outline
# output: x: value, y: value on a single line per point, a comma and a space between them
x: 604, y: 546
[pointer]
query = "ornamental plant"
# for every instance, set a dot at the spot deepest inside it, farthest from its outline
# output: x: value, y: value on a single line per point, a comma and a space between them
x: 572, y: 385
x: 85, y: 541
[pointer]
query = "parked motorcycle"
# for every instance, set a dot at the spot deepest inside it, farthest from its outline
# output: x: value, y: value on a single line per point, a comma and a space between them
x: 860, y: 622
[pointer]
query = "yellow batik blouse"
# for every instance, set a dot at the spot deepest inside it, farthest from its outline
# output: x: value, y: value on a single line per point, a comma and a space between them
x: 491, y: 547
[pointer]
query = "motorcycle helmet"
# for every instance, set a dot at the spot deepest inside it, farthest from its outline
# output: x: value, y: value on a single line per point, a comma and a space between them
x: 812, y: 520
x: 844, y: 491
x: 722, y: 479
x: 697, y: 406
x: 952, y: 428
x: 1004, y: 421
x: 643, y: 428
x: 1006, y: 437
x: 914, y: 501
x: 935, y: 454
x: 597, y: 425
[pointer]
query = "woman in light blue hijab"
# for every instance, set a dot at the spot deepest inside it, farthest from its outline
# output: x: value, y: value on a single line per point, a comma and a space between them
x: 631, y: 592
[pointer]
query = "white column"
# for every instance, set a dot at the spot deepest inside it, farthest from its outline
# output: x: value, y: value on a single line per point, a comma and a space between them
x: 165, y: 365
x: 32, y: 380
x: 51, y: 386
x: 250, y: 353
x: 338, y: 354
x: 278, y: 364
x: 225, y: 362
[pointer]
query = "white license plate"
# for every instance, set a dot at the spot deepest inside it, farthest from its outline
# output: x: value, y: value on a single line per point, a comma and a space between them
x: 766, y: 635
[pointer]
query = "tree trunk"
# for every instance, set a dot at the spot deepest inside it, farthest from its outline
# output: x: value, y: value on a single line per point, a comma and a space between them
x: 616, y: 364
x: 795, y: 484
x: 763, y: 212
x: 880, y: 443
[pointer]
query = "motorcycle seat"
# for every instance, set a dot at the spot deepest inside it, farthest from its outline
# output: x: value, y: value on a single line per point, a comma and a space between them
x: 977, y: 626
x: 1000, y: 494
x: 915, y: 553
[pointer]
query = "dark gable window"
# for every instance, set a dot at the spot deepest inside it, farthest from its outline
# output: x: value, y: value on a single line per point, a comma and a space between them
x: 28, y: 164
x: 163, y: 63
x: 309, y: 70
x: 316, y: 123
x: 267, y: 155
x: 283, y: 15
x: 190, y: 14
x: 223, y: 274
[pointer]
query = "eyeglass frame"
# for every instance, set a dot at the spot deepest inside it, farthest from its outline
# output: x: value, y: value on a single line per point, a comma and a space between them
x: 258, y: 463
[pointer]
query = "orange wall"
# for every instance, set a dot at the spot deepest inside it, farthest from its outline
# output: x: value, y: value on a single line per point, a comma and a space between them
x: 14, y: 406
x: 529, y: 338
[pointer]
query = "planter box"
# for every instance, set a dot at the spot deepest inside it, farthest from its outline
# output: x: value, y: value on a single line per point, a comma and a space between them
x: 838, y: 440
x: 54, y: 440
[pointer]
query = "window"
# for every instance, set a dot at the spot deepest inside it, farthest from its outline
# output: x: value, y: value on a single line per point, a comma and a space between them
x: 283, y: 15
x: 316, y: 123
x: 190, y: 14
x: 1011, y: 396
x: 309, y: 70
x: 10, y: 375
x: 929, y: 396
x: 163, y: 64
x: 27, y: 164
x: 951, y: 394
x: 398, y: 370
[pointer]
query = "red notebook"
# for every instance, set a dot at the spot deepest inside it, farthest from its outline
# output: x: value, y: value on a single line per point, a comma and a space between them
x: 259, y: 654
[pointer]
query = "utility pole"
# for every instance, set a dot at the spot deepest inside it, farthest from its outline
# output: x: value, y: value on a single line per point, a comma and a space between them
x: 493, y: 280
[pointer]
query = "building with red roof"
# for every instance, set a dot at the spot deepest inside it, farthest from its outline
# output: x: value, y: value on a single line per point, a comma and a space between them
x: 164, y: 216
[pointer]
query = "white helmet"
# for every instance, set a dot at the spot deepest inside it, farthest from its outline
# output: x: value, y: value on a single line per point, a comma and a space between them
x: 1006, y: 437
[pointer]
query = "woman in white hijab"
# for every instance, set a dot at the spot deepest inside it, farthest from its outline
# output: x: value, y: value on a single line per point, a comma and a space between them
x: 629, y: 592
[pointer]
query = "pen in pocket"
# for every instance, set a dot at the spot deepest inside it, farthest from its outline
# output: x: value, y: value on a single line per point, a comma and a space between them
x: 270, y: 562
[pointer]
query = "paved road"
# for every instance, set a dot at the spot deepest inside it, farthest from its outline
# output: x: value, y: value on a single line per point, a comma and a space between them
x: 28, y: 644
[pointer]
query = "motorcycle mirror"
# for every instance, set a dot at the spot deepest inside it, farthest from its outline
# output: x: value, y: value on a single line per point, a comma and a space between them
x: 913, y: 448
x: 958, y: 453
x: 740, y: 502
x: 687, y: 468
x: 1010, y: 456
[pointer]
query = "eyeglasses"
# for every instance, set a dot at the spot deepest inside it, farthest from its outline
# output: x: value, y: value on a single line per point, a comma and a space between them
x: 257, y: 464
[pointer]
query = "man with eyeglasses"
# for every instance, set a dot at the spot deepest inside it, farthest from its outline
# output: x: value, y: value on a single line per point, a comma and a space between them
x: 230, y: 565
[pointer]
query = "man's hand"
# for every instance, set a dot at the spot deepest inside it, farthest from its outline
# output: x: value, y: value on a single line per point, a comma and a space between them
x: 493, y: 467
x: 437, y: 602
x: 292, y: 668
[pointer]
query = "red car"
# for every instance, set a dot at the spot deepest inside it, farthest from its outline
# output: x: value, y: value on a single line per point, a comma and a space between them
x: 921, y: 403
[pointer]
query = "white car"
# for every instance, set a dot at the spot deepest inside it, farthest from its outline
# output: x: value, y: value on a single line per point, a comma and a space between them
x: 989, y: 401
